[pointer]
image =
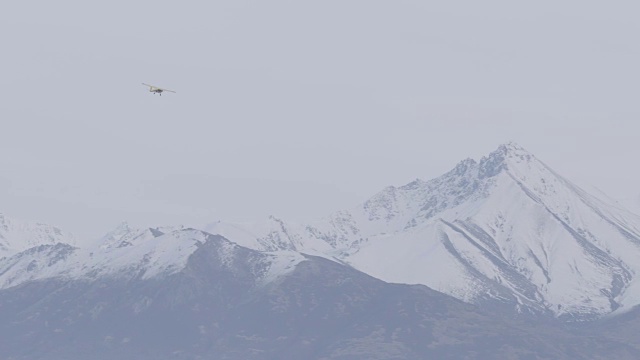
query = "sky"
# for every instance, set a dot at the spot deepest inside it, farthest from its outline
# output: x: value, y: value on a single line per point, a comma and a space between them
x: 300, y: 108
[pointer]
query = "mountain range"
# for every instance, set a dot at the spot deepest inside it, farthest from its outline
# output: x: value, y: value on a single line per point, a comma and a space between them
x: 498, y: 258
x: 505, y: 230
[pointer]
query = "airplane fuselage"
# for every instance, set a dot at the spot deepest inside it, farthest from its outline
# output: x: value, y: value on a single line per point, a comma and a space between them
x: 156, y: 90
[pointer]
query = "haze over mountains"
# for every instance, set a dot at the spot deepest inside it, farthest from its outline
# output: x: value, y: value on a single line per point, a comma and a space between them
x: 505, y: 229
x: 500, y: 236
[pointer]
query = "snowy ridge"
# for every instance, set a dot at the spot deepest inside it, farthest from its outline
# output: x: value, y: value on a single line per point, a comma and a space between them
x: 147, y: 254
x: 271, y: 235
x: 124, y: 235
x: 16, y: 235
x: 504, y: 229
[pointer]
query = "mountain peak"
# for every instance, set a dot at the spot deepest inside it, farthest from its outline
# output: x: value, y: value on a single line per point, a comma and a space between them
x: 511, y: 146
x: 511, y: 150
x: 503, y: 158
x: 17, y: 235
x: 122, y: 227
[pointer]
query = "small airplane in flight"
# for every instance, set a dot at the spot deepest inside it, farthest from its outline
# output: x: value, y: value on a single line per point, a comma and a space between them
x: 157, y: 90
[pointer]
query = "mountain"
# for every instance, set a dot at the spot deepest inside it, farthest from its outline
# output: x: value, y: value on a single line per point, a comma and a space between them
x: 125, y: 253
x: 225, y: 301
x: 502, y: 234
x: 506, y: 230
x: 17, y: 235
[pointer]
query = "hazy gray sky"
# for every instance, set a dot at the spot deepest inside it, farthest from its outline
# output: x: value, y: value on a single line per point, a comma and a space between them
x: 299, y: 108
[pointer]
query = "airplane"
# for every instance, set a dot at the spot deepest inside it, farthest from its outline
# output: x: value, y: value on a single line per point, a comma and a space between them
x: 157, y: 90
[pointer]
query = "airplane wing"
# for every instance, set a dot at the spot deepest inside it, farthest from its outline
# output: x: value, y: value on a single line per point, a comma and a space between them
x: 159, y: 88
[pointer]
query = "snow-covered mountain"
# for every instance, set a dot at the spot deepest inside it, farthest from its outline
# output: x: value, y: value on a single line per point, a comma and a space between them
x: 128, y: 253
x: 502, y: 231
x: 224, y: 303
x: 505, y: 229
x: 17, y: 235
